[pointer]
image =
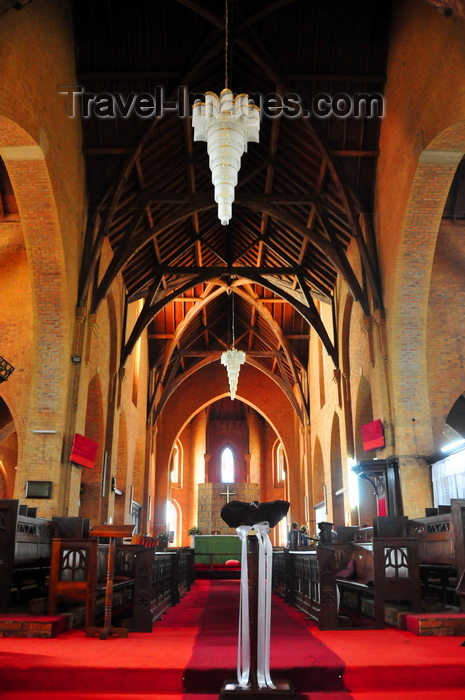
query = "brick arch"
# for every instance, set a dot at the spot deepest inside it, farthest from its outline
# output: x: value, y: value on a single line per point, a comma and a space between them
x: 364, y: 414
x: 179, y: 523
x: 208, y: 385
x: 138, y: 473
x: 431, y: 183
x: 29, y: 175
x: 337, y: 496
x: 8, y: 448
x: 91, y: 479
x: 318, y: 473
x: 345, y: 335
x: 347, y: 319
x: 5, y: 492
x: 122, y: 502
x: 114, y: 340
x: 28, y: 172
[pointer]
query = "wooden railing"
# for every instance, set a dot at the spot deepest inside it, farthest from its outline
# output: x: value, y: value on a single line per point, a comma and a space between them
x: 388, y: 571
x: 152, y: 581
x: 307, y: 579
x: 442, y: 549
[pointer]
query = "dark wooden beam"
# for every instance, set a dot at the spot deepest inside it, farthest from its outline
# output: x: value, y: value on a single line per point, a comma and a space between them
x: 110, y: 151
x: 271, y: 7
x: 150, y: 311
x: 308, y: 312
x: 200, y: 10
x: 127, y: 75
x: 336, y: 77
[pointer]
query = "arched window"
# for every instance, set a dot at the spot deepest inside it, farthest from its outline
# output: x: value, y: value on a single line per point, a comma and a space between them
x: 227, y: 466
x: 172, y: 522
x: 176, y: 464
x: 279, y: 463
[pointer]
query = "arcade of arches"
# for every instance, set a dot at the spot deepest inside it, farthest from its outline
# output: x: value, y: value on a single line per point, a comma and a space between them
x: 338, y: 333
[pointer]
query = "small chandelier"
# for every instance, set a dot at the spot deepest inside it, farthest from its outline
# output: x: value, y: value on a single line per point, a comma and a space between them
x: 233, y: 359
x: 227, y: 124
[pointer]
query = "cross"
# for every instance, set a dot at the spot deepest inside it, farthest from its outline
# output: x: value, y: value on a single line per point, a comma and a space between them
x: 227, y: 493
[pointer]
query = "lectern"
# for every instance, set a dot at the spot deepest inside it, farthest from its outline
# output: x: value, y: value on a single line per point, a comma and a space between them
x: 252, y: 522
x: 111, y: 532
x: 281, y: 688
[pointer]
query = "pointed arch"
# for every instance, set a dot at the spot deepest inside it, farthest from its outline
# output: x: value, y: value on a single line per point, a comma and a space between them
x: 8, y: 448
x: 228, y: 464
x: 174, y: 521
x: 318, y: 473
x: 47, y: 286
x: 122, y: 502
x: 139, y: 471
x: 364, y: 414
x: 431, y: 183
x: 337, y: 479
x: 91, y: 479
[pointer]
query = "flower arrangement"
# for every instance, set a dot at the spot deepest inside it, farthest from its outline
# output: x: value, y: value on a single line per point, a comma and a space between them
x: 163, y: 538
x: 194, y: 531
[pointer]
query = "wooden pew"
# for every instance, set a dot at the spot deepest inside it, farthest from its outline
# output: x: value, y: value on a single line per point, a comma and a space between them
x: 78, y: 574
x: 149, y: 581
x: 386, y: 569
x: 307, y: 579
x: 361, y: 581
x: 25, y: 552
x: 441, y: 548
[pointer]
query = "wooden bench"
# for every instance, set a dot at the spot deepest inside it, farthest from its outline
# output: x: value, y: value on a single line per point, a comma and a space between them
x: 78, y: 574
x: 146, y: 581
x: 25, y: 552
x: 361, y: 556
x: 386, y: 569
x: 441, y: 550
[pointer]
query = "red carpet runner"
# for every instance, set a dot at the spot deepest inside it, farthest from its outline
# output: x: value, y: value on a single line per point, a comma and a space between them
x: 197, y: 640
x: 295, y: 653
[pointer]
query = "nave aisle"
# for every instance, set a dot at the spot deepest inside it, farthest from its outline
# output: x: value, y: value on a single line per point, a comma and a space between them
x: 193, y: 650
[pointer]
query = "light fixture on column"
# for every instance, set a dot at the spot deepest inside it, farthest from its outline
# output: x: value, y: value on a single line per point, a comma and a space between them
x: 5, y: 369
x: 233, y: 359
x: 227, y: 124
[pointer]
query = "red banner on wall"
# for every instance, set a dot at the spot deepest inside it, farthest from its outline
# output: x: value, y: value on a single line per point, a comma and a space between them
x: 83, y: 451
x: 382, y: 509
x: 372, y: 435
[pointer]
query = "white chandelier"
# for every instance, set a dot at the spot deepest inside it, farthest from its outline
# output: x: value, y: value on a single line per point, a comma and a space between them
x: 233, y: 359
x: 227, y: 124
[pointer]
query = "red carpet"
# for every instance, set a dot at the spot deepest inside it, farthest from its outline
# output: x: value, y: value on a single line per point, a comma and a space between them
x: 295, y: 654
x: 197, y: 639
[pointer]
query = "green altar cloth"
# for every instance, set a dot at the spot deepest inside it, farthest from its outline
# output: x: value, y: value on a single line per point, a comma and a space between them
x: 220, y: 548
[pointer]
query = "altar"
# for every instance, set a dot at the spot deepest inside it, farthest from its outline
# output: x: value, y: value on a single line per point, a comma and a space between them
x: 216, y: 550
x: 211, y: 498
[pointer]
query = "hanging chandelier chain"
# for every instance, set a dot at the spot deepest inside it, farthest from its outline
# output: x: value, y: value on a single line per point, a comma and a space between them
x: 226, y: 44
x: 233, y: 326
x: 227, y: 124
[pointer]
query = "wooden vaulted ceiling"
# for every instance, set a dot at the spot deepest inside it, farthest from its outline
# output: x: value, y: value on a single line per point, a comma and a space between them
x: 305, y: 191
